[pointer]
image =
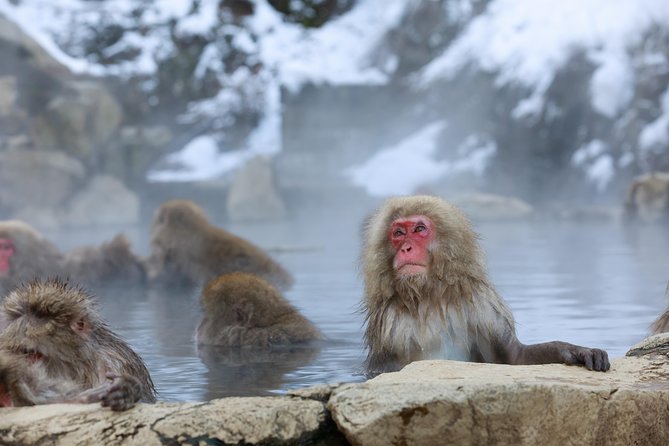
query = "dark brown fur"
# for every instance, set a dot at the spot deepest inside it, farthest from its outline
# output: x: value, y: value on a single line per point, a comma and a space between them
x: 35, y: 257
x: 453, y: 311
x: 111, y: 263
x: 661, y: 325
x: 187, y: 250
x: 79, y: 353
x: 241, y: 310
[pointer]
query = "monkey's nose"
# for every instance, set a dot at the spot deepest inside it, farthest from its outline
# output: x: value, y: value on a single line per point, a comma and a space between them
x: 406, y: 248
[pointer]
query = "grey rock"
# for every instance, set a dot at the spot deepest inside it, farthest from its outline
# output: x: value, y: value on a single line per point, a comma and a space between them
x: 253, y: 194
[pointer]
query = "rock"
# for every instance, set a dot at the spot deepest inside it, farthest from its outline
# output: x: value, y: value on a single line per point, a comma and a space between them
x: 479, y: 206
x: 8, y: 95
x: 253, y: 194
x: 40, y: 178
x: 78, y: 121
x: 104, y: 201
x: 655, y: 344
x: 271, y: 420
x: 648, y: 198
x: 434, y: 402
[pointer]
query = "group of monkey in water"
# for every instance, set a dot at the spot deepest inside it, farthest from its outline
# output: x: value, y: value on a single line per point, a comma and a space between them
x: 427, y: 295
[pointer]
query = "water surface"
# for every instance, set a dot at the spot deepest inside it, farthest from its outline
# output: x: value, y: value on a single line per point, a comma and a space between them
x: 599, y: 285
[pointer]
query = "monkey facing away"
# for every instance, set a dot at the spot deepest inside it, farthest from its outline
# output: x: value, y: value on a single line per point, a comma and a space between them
x: 242, y: 310
x: 56, y: 348
x: 661, y: 324
x: 428, y: 295
x: 112, y: 262
x: 188, y: 250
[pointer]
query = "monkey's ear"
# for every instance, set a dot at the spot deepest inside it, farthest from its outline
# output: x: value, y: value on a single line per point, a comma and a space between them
x: 81, y: 327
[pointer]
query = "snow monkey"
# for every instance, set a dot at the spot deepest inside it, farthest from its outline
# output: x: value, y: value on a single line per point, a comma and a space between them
x: 56, y: 348
x: 25, y: 255
x: 427, y: 294
x: 242, y: 310
x: 188, y: 250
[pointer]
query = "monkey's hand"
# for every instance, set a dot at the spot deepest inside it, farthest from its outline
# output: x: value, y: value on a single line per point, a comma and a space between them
x: 590, y: 358
x: 121, y: 393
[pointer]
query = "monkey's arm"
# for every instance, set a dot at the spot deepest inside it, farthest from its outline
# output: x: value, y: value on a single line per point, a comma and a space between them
x: 553, y: 352
x: 121, y: 392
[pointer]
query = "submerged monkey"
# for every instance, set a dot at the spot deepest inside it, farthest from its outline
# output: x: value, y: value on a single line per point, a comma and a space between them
x: 56, y: 348
x: 428, y: 295
x: 242, y: 310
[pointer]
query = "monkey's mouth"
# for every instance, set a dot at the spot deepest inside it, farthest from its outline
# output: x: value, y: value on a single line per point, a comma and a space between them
x: 31, y: 354
x: 411, y: 269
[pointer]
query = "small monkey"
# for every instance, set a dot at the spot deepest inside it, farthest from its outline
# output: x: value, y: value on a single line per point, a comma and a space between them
x: 428, y: 295
x: 648, y: 198
x: 188, y: 250
x: 242, y: 310
x: 112, y: 262
x: 56, y: 348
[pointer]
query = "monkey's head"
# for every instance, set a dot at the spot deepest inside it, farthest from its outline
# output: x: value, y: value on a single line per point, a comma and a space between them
x: 179, y: 214
x: 49, y: 323
x: 416, y: 239
x: 243, y: 299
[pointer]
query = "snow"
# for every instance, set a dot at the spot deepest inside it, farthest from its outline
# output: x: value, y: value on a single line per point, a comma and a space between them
x: 523, y: 43
x: 200, y: 160
x: 598, y: 164
x: 404, y: 167
x: 656, y: 134
x: 400, y: 169
x: 526, y: 42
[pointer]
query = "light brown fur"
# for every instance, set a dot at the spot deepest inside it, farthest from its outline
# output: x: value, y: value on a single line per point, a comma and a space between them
x: 188, y: 250
x: 648, y: 198
x: 450, y: 311
x: 406, y: 318
x: 242, y: 310
x: 78, y: 350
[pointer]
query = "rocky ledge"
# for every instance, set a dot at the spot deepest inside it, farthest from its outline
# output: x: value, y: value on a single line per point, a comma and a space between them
x: 429, y: 402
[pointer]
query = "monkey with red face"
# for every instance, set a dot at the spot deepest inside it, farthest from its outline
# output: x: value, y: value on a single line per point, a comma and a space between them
x: 25, y: 255
x: 428, y: 295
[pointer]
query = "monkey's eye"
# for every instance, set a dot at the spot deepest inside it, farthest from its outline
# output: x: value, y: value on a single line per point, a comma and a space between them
x: 420, y: 228
x: 398, y: 232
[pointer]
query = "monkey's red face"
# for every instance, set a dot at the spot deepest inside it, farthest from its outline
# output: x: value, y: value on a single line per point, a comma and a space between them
x: 6, y: 252
x: 411, y: 237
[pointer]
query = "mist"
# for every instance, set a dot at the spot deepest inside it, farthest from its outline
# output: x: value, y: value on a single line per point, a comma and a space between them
x: 291, y: 125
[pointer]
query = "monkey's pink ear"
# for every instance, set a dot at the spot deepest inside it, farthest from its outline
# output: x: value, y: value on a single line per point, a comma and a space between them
x: 81, y: 327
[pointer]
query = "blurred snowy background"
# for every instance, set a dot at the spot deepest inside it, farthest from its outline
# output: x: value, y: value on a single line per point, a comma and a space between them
x: 552, y: 102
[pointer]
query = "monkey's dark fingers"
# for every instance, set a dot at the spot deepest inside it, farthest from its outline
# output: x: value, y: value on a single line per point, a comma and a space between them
x: 601, y: 360
x: 595, y: 359
x: 586, y: 357
x: 119, y: 395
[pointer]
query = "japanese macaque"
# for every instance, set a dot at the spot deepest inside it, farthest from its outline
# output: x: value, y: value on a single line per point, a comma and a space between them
x: 661, y: 324
x: 111, y: 263
x: 187, y: 250
x: 242, y: 310
x: 648, y: 198
x: 56, y: 348
x: 25, y: 255
x: 428, y: 295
